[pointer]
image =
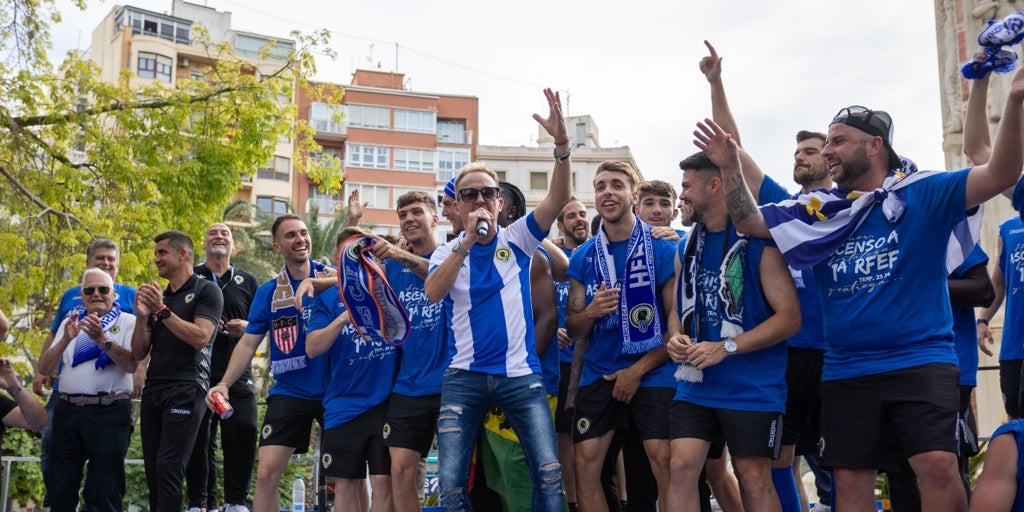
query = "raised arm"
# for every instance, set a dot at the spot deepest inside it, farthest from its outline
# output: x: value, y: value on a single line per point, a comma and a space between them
x: 977, y: 141
x: 723, y: 151
x: 1003, y: 169
x: 560, y: 189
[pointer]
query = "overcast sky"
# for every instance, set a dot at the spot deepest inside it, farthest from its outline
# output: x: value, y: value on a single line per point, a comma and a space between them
x: 789, y: 64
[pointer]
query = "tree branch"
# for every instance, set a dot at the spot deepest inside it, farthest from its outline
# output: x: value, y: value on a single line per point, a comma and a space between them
x: 69, y: 218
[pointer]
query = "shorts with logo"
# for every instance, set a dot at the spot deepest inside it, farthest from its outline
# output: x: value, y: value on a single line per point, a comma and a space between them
x: 748, y: 433
x: 917, y: 408
x: 289, y: 420
x: 349, y: 449
x: 803, y: 393
x: 411, y: 422
x: 598, y: 413
x: 1009, y: 384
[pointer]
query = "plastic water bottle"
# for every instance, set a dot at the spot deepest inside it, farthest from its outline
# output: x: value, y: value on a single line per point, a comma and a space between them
x: 298, y: 495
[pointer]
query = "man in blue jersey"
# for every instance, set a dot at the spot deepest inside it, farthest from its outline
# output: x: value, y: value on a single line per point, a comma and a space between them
x: 362, y: 372
x: 886, y: 378
x: 483, y: 276
x: 411, y: 418
x: 736, y: 304
x: 619, y: 283
x: 295, y: 400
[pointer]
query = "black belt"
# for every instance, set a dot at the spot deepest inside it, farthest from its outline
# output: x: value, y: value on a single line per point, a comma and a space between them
x: 100, y: 399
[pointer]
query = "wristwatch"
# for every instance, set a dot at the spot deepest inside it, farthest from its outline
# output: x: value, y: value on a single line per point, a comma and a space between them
x: 162, y: 314
x: 460, y: 249
x: 730, y: 346
x: 107, y: 344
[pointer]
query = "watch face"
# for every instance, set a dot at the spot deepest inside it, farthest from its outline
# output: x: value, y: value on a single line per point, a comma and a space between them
x: 730, y: 346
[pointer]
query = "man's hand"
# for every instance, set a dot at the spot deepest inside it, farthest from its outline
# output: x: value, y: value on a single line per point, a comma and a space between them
x: 236, y: 327
x: 219, y: 388
x: 626, y: 384
x: 706, y: 353
x: 677, y: 346
x: 564, y: 341
x: 382, y: 249
x: 355, y: 209
x: 665, y: 233
x: 148, y: 300
x: 8, y: 379
x: 711, y: 65
x: 138, y: 382
x: 718, y: 145
x: 985, y: 335
x: 606, y: 301
x: 39, y: 381
x: 554, y: 124
x: 305, y: 289
x: 476, y: 216
x: 92, y: 326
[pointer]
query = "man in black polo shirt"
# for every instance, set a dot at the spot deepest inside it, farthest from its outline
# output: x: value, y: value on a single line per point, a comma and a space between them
x: 238, y: 433
x: 182, y: 321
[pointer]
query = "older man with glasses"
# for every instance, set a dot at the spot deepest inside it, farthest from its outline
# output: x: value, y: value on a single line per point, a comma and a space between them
x: 92, y: 419
x: 483, y: 276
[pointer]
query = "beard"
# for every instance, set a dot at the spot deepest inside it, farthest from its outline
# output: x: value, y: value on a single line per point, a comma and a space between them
x: 810, y: 175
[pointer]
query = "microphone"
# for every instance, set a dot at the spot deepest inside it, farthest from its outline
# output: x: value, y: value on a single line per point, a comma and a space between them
x: 482, y: 228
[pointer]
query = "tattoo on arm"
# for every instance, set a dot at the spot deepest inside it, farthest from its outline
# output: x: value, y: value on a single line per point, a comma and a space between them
x: 412, y: 262
x: 740, y: 204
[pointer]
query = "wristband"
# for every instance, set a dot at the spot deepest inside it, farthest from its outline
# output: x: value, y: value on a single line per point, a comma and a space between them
x: 562, y: 158
x: 562, y: 142
x: 14, y: 392
x: 983, y: 321
x: 460, y: 250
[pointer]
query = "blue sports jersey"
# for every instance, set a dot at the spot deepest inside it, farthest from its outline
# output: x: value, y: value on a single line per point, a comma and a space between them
x: 1016, y: 429
x: 362, y: 372
x: 812, y: 330
x: 884, y: 297
x: 295, y: 375
x: 752, y: 381
x: 71, y: 301
x: 489, y: 306
x: 423, y: 357
x: 965, y: 328
x: 604, y: 354
x: 549, y: 360
x: 562, y: 298
x: 1011, y: 263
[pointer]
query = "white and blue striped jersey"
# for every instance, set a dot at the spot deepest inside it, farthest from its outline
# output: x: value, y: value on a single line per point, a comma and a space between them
x: 489, y: 305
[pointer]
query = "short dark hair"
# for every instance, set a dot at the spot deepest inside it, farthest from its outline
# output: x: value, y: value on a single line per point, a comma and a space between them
x: 416, y: 196
x: 803, y: 135
x: 700, y: 162
x: 347, y: 233
x: 595, y: 224
x: 561, y: 216
x: 656, y: 188
x: 279, y: 220
x: 514, y: 198
x: 100, y: 243
x: 178, y: 241
x: 620, y: 167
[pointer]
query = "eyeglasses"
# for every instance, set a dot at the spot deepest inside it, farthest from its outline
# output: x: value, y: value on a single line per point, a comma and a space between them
x: 470, y: 194
x: 89, y: 290
x: 874, y: 122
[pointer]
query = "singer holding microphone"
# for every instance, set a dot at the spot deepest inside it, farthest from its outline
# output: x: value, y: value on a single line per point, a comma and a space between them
x: 483, y: 276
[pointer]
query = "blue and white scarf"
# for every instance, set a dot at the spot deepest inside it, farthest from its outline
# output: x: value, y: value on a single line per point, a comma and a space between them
x: 86, y: 348
x: 809, y: 228
x: 374, y: 308
x: 639, y: 317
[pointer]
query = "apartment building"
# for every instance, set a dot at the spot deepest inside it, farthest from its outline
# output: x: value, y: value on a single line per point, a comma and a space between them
x: 390, y: 140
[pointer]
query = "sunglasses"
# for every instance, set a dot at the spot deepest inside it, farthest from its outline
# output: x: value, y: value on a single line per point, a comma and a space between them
x: 470, y: 194
x: 89, y: 290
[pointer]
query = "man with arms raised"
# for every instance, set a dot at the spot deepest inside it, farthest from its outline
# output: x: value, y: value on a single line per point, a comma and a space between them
x: 483, y: 276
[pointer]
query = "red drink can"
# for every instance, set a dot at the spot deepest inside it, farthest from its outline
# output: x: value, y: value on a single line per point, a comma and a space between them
x: 221, y: 406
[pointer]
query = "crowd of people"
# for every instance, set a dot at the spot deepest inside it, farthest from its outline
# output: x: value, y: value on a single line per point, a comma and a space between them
x: 621, y: 363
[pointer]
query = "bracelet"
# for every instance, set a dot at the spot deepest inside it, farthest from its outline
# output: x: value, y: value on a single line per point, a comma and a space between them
x: 14, y: 392
x: 562, y: 142
x: 460, y: 250
x: 983, y: 321
x: 562, y: 158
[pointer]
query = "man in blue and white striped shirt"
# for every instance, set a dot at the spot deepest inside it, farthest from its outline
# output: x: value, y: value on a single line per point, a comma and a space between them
x: 483, y: 276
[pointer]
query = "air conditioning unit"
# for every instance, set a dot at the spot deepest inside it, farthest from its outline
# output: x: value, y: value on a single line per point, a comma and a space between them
x: 182, y: 62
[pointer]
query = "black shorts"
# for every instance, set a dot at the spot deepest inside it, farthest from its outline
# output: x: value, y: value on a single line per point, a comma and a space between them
x: 748, y: 433
x: 803, y: 391
x: 289, y: 420
x: 411, y: 422
x: 350, y: 448
x: 916, y: 408
x: 563, y: 418
x: 597, y: 413
x: 1009, y: 384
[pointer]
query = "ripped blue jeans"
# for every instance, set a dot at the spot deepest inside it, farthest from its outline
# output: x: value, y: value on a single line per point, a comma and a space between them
x: 465, y: 398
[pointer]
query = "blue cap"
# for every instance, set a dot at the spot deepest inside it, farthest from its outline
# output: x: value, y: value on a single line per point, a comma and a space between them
x: 449, y: 189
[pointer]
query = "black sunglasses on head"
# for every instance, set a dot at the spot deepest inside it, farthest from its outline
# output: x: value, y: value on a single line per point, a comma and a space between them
x: 470, y: 194
x: 89, y: 290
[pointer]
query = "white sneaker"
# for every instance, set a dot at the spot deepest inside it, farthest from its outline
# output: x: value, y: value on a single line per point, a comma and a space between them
x: 235, y: 508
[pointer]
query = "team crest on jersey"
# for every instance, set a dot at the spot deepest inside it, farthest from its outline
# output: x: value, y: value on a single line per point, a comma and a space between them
x: 641, y: 316
x: 387, y: 430
x: 115, y: 329
x: 267, y: 430
x: 239, y: 279
x: 583, y: 425
x: 326, y: 460
x: 189, y: 297
x: 286, y: 333
x: 503, y: 254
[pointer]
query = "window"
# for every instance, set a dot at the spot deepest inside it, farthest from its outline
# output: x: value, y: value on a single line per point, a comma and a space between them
x: 450, y: 162
x: 366, y: 156
x: 414, y: 159
x: 581, y: 134
x: 451, y: 131
x: 327, y: 118
x: 422, y: 121
x: 196, y: 74
x: 366, y: 116
x: 502, y: 175
x: 279, y: 168
x: 324, y: 202
x: 272, y: 205
x: 375, y: 195
x: 250, y: 46
x: 538, y: 180
x: 156, y: 25
x: 152, y: 65
x: 324, y: 152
